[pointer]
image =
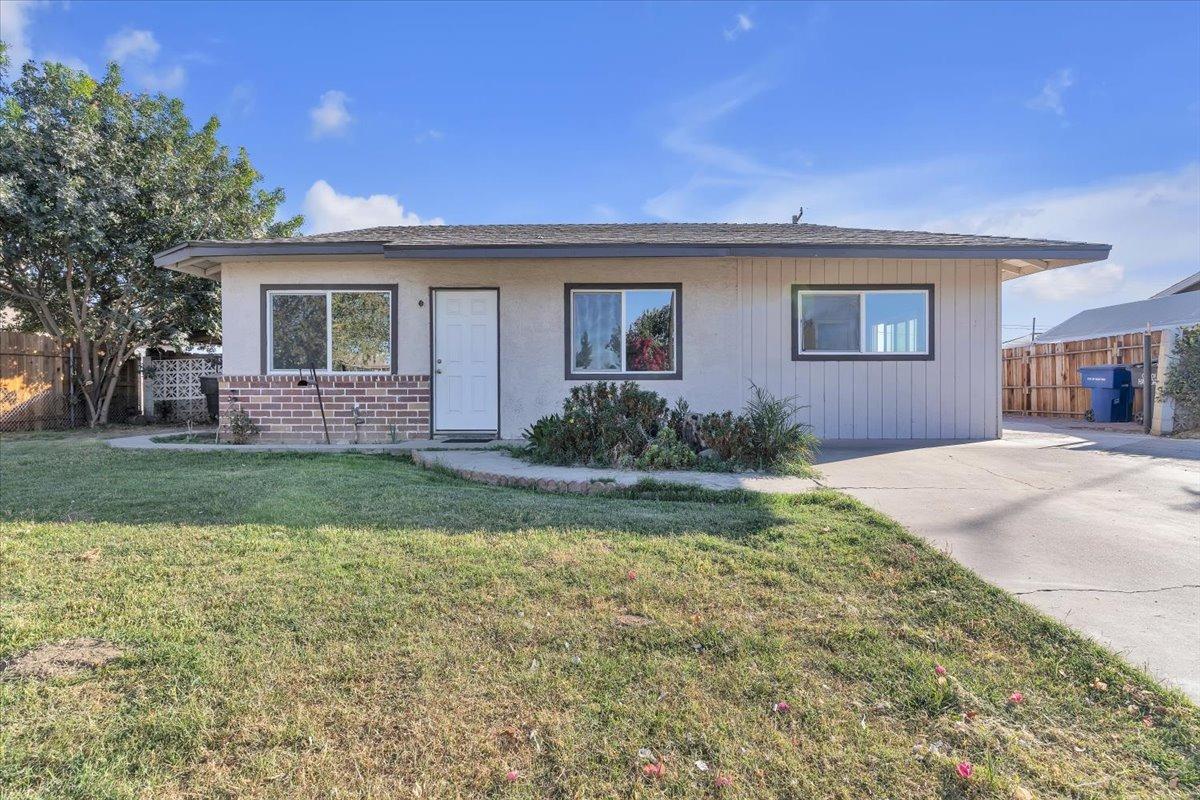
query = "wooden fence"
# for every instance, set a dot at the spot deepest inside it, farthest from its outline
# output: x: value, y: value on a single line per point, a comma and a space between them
x: 1044, y: 378
x: 36, y: 391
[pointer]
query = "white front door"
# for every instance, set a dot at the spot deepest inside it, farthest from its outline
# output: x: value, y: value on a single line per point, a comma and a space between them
x: 466, y: 360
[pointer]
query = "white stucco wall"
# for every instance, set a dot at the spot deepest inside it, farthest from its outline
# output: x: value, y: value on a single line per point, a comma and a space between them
x: 736, y: 317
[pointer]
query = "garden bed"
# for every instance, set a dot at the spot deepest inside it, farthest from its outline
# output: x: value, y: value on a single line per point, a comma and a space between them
x: 627, y: 427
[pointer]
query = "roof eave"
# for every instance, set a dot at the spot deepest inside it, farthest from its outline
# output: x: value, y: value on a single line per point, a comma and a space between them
x: 1024, y: 259
x: 173, y: 257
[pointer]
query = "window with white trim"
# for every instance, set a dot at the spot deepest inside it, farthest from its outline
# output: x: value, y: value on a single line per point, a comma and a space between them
x: 330, y: 330
x: 628, y: 331
x: 864, y: 323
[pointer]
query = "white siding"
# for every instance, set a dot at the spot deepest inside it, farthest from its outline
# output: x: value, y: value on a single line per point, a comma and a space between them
x: 954, y: 396
x: 736, y: 329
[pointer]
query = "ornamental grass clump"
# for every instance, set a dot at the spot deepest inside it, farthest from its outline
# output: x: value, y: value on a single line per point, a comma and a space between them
x: 622, y: 425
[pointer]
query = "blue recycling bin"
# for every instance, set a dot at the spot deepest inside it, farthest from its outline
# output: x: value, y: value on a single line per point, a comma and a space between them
x: 1112, y: 392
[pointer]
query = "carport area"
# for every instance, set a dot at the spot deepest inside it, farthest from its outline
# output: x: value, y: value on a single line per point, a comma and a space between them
x: 1100, y: 529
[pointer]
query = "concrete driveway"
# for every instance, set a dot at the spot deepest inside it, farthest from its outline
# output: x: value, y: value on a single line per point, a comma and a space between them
x: 1098, y: 529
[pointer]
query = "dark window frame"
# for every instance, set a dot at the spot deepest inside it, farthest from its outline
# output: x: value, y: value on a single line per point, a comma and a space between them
x: 800, y: 355
x: 264, y: 319
x: 568, y: 371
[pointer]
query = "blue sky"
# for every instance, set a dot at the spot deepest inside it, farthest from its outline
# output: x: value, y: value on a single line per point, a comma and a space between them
x: 1070, y: 121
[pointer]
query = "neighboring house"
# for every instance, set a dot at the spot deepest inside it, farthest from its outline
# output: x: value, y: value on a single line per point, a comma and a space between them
x: 1189, y: 284
x: 481, y: 329
x: 1161, y: 312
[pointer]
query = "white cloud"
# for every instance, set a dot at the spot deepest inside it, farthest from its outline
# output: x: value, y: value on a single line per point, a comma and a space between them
x: 168, y: 79
x: 1069, y: 283
x: 138, y: 51
x: 431, y: 135
x: 602, y: 212
x: 67, y: 61
x: 690, y: 135
x: 326, y: 210
x: 741, y: 24
x: 243, y: 98
x: 131, y: 44
x: 330, y: 117
x: 1150, y: 219
x: 1050, y: 98
x: 15, y: 21
x: 14, y: 30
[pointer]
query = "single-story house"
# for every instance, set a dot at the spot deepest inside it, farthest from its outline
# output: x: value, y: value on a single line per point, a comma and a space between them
x: 481, y: 329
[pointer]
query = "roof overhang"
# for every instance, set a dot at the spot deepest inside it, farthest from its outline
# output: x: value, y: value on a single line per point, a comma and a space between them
x: 204, y: 258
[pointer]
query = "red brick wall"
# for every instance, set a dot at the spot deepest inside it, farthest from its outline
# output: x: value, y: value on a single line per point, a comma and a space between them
x: 389, y: 406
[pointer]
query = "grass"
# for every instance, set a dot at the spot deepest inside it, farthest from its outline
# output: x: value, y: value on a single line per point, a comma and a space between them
x: 205, y: 437
x: 352, y: 626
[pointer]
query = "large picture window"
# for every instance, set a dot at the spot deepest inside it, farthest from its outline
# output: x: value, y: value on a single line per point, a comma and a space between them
x: 862, y: 322
x: 623, y: 331
x: 344, y: 329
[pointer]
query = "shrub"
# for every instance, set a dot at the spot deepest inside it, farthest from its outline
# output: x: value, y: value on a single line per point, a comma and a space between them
x: 601, y: 423
x: 762, y: 438
x: 666, y: 451
x: 241, y: 428
x: 776, y: 442
x: 622, y: 425
x: 1183, y: 378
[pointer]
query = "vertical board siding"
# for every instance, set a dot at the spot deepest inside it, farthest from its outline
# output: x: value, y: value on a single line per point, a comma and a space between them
x: 955, y: 396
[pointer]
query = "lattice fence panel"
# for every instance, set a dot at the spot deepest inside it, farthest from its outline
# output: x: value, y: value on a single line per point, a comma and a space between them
x: 177, y: 392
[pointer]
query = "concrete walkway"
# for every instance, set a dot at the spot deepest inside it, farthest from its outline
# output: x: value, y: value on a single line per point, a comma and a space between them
x: 498, y: 467
x: 1099, y: 529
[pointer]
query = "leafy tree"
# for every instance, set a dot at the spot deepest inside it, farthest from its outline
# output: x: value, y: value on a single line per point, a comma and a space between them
x: 93, y: 181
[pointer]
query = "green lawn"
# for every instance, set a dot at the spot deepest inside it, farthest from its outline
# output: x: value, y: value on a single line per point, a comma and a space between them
x: 351, y: 626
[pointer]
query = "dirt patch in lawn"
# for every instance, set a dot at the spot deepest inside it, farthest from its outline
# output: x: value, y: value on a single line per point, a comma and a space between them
x: 61, y: 659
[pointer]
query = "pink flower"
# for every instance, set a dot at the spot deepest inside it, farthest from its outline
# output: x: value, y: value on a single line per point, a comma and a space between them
x: 1016, y: 698
x: 782, y: 707
x: 513, y: 776
x: 964, y: 769
x: 654, y: 771
x: 631, y: 575
x: 723, y: 782
x: 939, y: 669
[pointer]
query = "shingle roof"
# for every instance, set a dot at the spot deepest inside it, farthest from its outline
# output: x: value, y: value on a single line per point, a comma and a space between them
x: 1172, y: 311
x: 650, y: 233
x: 624, y: 240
